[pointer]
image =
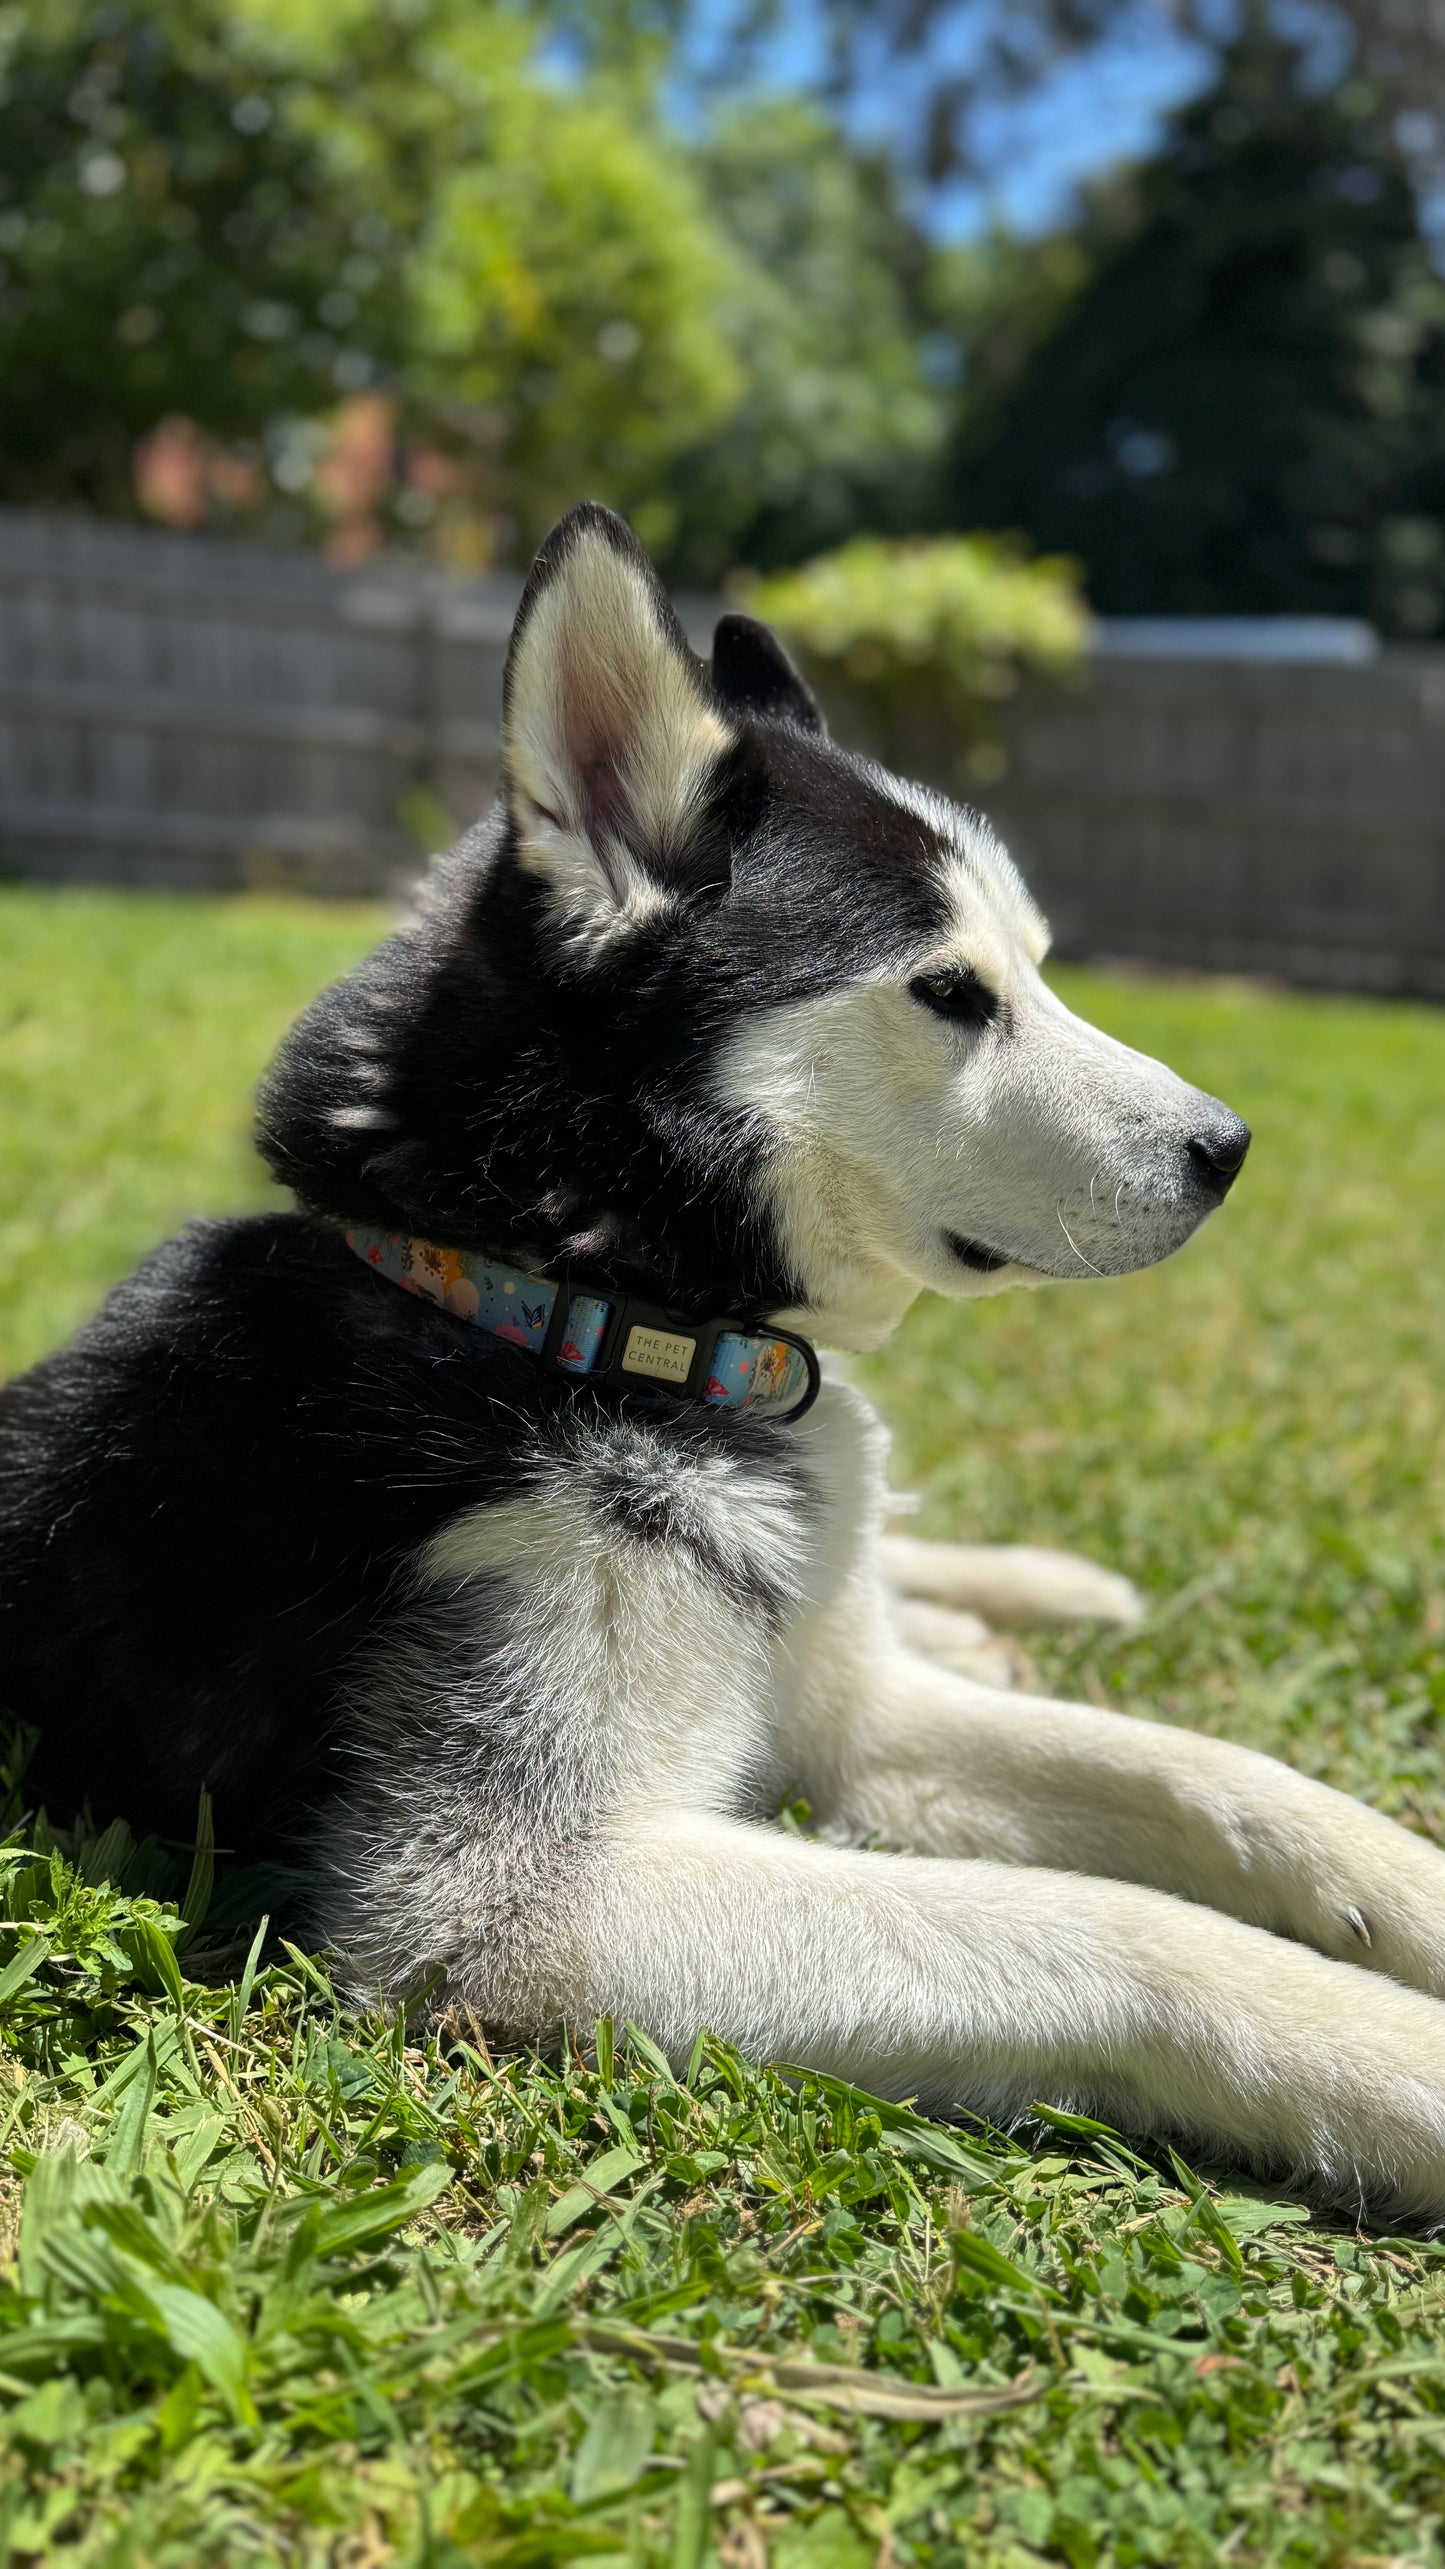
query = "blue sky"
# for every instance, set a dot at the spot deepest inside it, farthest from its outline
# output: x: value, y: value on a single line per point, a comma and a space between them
x: 1084, y: 118
x: 1079, y: 119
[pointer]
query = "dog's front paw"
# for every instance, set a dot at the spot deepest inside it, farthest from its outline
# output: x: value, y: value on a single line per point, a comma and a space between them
x: 1374, y: 1895
x: 1009, y: 1584
x: 1311, y: 2072
x: 1381, y: 2150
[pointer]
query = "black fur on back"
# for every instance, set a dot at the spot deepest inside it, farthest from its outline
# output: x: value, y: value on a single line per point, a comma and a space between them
x: 208, y: 1501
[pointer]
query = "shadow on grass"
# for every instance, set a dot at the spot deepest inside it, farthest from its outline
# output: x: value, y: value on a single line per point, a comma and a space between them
x: 221, y: 1904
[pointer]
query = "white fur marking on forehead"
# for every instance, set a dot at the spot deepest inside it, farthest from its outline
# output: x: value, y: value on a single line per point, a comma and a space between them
x: 608, y: 739
x: 985, y: 889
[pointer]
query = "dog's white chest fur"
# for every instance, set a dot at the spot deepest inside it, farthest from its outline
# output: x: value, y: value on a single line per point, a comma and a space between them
x: 658, y: 1600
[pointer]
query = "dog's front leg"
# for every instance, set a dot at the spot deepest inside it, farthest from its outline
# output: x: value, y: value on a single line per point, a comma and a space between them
x: 922, y: 1760
x: 986, y: 1987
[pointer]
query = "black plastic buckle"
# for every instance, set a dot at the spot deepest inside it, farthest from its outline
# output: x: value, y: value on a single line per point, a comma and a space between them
x: 666, y: 1351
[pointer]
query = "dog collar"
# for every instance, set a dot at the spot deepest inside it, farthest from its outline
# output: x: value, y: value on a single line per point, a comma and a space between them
x: 576, y: 1330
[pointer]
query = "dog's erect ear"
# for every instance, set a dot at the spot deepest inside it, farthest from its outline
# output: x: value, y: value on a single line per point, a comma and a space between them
x: 609, y: 729
x: 751, y: 670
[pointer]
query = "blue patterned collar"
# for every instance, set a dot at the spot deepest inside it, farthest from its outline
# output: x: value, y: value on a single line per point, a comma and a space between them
x: 724, y: 1364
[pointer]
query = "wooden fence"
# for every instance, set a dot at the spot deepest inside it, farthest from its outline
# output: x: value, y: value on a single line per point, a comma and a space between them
x: 176, y: 710
x: 1265, y: 817
x: 180, y: 711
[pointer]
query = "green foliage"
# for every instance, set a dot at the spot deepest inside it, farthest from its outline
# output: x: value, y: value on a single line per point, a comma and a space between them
x: 837, y: 421
x: 1240, y: 410
x: 168, y: 242
x: 567, y: 283
x: 131, y: 1035
x: 557, y: 269
x: 475, y: 222
x: 918, y: 645
x: 994, y: 303
x: 246, y: 217
x: 244, y: 2327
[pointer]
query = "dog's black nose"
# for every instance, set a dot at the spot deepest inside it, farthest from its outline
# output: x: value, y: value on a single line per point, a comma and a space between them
x: 1218, y: 1152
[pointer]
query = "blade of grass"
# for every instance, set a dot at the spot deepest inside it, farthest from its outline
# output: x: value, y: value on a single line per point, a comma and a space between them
x: 202, y: 1882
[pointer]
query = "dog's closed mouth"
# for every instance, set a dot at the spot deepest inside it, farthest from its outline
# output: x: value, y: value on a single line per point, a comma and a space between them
x: 973, y: 1253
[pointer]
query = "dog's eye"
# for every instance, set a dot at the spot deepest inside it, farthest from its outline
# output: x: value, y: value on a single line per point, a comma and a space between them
x: 957, y: 994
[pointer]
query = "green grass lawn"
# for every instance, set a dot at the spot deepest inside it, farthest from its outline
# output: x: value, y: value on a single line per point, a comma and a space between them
x: 286, y: 2287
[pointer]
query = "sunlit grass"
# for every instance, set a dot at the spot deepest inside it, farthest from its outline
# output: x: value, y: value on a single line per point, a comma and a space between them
x: 132, y: 1030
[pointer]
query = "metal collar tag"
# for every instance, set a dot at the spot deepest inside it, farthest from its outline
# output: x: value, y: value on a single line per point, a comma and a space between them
x: 722, y: 1362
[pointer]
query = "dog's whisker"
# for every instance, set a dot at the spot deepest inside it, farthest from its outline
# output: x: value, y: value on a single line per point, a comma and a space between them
x: 1073, y: 1244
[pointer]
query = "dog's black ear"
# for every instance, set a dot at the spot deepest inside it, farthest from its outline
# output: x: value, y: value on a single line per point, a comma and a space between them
x: 610, y: 730
x: 751, y: 670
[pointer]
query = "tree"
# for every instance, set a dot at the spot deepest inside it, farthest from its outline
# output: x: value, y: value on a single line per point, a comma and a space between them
x: 947, y: 67
x: 168, y: 242
x: 245, y: 216
x: 436, y: 280
x: 1240, y: 411
x: 839, y: 415
x: 565, y: 298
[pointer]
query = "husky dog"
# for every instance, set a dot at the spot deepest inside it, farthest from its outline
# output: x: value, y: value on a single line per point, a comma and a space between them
x: 483, y: 1521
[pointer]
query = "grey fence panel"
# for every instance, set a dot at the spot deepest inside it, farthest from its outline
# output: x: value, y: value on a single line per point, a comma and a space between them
x: 177, y: 710
x: 1262, y: 817
x: 182, y: 711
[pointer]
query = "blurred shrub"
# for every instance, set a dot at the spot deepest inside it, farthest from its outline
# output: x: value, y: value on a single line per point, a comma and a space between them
x: 917, y: 648
x: 565, y: 292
